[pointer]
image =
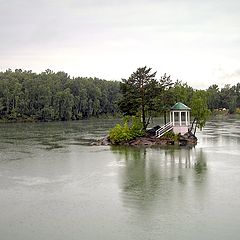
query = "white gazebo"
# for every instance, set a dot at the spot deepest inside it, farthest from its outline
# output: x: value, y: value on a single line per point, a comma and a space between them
x: 180, y: 118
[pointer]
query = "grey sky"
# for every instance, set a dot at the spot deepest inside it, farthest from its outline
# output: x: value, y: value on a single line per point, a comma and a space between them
x: 195, y: 41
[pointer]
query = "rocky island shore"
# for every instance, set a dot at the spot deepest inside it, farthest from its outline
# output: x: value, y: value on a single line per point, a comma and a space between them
x: 149, y: 139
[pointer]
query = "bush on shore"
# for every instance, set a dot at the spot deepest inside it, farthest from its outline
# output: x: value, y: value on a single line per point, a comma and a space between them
x: 127, y: 131
x: 171, y: 135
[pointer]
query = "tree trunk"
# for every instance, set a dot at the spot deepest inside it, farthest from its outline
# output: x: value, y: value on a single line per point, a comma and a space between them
x: 195, y: 128
x: 192, y: 124
x: 143, y: 107
x: 165, y: 117
x: 143, y: 118
x: 148, y: 121
x: 7, y: 105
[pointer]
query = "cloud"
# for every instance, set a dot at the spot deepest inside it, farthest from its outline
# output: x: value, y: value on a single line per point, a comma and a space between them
x: 110, y: 38
x: 233, y: 75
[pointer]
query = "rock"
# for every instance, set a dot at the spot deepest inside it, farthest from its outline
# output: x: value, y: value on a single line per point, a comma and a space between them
x: 152, y: 131
x: 188, y: 138
x: 105, y: 141
x: 102, y: 142
x: 142, y: 141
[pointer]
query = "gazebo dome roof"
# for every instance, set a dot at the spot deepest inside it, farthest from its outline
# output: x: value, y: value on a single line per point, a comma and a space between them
x: 180, y: 106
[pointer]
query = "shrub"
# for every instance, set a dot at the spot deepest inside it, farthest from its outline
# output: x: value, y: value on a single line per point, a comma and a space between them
x: 171, y: 135
x: 126, y: 132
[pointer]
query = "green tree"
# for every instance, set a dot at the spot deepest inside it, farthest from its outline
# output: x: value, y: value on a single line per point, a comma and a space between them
x: 200, y: 110
x: 228, y: 98
x: 213, y: 97
x: 181, y: 92
x: 165, y: 97
x: 65, y: 104
x: 139, y: 94
x: 55, y: 96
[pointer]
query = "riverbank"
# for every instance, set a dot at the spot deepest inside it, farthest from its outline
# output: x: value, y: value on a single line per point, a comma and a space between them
x: 37, y: 120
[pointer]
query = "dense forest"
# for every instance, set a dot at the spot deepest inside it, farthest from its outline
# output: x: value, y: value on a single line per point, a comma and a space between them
x: 49, y: 96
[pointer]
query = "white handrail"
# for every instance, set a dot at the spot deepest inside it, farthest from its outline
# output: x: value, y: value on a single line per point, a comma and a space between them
x: 167, y: 127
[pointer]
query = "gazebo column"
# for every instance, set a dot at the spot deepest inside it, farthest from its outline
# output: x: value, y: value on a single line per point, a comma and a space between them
x: 186, y: 118
x: 173, y: 118
x: 180, y: 118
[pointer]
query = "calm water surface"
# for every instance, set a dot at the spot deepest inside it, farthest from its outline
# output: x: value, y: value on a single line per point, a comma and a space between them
x: 54, y: 186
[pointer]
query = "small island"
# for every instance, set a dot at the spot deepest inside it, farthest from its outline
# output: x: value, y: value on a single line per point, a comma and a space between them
x: 175, y: 132
x: 143, y: 96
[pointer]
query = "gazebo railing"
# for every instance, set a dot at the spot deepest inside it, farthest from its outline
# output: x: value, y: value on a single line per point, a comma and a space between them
x: 166, y: 128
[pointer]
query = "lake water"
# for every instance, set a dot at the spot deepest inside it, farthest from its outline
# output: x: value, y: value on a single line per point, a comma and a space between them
x: 54, y: 186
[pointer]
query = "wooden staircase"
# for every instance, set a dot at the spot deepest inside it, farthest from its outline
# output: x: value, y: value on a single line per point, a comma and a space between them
x: 166, y: 128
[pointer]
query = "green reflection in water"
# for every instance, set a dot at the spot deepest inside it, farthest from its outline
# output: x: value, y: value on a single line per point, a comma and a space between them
x: 201, y: 165
x: 153, y: 175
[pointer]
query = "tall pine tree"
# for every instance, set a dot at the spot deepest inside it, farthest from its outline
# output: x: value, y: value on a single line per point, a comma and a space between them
x: 139, y: 94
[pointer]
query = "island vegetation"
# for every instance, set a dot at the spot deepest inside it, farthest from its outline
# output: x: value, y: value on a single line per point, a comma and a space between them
x: 55, y: 96
x: 143, y: 96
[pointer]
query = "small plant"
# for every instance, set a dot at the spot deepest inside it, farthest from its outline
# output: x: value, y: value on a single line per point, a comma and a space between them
x: 127, y: 131
x: 238, y: 110
x: 171, y: 135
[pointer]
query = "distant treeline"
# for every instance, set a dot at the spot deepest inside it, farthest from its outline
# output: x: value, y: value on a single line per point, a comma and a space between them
x: 217, y: 98
x: 51, y: 96
x: 228, y: 97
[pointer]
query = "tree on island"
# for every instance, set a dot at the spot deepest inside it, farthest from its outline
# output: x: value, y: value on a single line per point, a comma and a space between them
x: 141, y: 97
x: 139, y: 94
x: 200, y: 110
x: 165, y: 98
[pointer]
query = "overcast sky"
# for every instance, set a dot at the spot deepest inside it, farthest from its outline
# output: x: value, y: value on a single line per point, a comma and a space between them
x: 196, y: 41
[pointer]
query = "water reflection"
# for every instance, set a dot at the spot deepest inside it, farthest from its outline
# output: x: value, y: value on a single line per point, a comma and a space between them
x: 200, y: 165
x: 152, y: 176
x: 121, y: 193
